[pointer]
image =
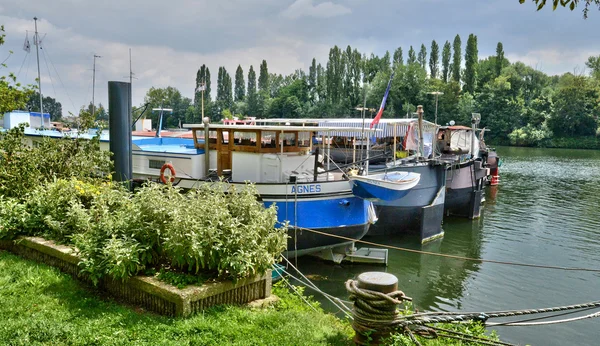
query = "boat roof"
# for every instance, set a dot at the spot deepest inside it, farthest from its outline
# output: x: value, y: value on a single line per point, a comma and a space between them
x: 456, y: 127
x: 367, y: 121
x: 282, y: 128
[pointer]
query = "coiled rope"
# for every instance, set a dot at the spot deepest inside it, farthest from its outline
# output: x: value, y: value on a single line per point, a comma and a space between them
x: 374, y: 310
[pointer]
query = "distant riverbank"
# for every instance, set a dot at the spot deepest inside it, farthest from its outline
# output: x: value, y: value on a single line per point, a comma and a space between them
x: 584, y: 142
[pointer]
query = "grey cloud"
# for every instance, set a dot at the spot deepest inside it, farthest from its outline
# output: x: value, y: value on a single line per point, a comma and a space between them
x: 171, y: 39
x: 302, y: 8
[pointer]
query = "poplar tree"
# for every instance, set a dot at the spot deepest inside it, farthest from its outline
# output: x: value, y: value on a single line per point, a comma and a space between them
x: 412, y: 56
x: 335, y: 67
x: 434, y: 58
x: 321, y: 83
x: 446, y: 55
x: 499, y: 58
x: 252, y: 96
x: 398, y: 58
x: 202, y: 76
x: 471, y: 52
x: 423, y: 56
x: 263, y: 77
x: 456, y: 59
x: 312, y: 81
x: 240, y: 85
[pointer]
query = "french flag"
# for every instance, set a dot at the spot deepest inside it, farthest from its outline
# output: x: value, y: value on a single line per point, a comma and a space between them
x: 380, y: 112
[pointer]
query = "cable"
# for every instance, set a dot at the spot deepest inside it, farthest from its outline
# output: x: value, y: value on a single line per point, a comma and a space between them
x: 59, y: 79
x: 527, y: 324
x: 452, y: 256
x: 23, y: 63
x: 49, y: 74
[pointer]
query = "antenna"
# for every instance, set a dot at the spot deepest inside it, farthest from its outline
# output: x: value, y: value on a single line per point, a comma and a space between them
x: 94, y: 85
x: 131, y: 74
x: 37, y: 51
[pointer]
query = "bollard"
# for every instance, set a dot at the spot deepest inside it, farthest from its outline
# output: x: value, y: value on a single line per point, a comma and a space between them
x: 376, y: 298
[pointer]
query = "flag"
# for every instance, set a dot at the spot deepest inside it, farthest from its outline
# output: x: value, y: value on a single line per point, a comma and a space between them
x: 27, y: 45
x: 380, y: 112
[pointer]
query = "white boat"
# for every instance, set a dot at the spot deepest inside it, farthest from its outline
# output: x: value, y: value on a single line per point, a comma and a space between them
x: 388, y: 186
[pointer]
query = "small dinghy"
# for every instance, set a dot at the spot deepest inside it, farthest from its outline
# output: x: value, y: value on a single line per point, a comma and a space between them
x: 388, y: 186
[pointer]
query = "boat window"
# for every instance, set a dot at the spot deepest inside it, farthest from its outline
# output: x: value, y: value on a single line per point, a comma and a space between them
x: 224, y: 137
x: 156, y: 164
x: 289, y: 139
x: 211, y: 134
x: 244, y: 138
x: 304, y: 139
x: 268, y: 139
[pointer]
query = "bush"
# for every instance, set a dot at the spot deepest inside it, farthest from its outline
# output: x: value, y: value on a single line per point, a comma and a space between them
x: 214, y: 229
x: 13, y: 218
x: 24, y: 168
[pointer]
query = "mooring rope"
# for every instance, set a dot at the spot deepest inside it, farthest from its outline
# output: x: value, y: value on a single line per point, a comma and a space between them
x: 449, y: 256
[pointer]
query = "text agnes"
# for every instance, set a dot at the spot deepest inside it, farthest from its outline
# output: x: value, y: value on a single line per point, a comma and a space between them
x: 306, y: 188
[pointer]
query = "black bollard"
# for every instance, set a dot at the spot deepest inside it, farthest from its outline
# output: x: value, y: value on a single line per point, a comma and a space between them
x: 368, y: 308
x: 119, y: 118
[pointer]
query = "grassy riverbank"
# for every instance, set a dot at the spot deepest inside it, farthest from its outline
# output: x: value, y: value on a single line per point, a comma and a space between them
x: 41, y: 305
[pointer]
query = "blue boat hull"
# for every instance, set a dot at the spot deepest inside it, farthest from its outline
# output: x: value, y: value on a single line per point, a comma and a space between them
x: 421, y: 211
x: 345, y: 215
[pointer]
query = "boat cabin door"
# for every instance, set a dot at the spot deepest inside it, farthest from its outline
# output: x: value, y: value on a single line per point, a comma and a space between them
x: 224, y: 146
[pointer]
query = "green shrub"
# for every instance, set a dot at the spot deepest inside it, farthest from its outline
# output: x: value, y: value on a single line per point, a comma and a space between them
x: 24, y: 168
x: 59, y: 209
x: 13, y: 218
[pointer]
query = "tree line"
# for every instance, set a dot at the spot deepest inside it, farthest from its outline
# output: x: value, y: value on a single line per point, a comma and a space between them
x: 517, y: 103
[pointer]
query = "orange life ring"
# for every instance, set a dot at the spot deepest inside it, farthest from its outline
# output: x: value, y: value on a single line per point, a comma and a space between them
x: 162, y: 173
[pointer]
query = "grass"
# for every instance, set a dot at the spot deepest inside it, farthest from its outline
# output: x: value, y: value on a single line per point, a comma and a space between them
x: 39, y: 305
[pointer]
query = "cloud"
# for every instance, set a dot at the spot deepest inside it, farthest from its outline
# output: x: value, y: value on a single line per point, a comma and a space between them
x: 553, y: 60
x: 305, y: 8
x: 169, y: 43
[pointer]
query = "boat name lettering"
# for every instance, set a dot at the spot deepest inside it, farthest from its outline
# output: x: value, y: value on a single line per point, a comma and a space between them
x: 306, y: 188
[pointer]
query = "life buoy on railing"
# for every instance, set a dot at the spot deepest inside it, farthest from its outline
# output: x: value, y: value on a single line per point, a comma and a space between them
x: 162, y: 173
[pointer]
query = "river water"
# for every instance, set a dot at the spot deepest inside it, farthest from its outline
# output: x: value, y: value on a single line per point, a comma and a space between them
x: 545, y: 211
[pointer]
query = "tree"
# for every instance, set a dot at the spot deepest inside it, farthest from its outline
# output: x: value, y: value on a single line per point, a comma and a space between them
x: 434, y: 58
x: 240, y: 85
x: 312, y: 81
x: 12, y: 95
x: 456, y: 61
x: 398, y: 58
x: 571, y: 4
x: 446, y: 55
x: 593, y: 63
x: 471, y: 52
x: 252, y: 95
x: 422, y: 59
x: 412, y: 56
x: 202, y: 76
x: 335, y: 70
x: 321, y: 83
x: 499, y: 58
x: 168, y: 97
x: 263, y: 77
x: 51, y: 106
x: 575, y: 107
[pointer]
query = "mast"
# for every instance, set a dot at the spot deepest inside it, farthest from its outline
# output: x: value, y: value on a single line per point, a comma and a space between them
x: 94, y: 85
x: 37, y: 51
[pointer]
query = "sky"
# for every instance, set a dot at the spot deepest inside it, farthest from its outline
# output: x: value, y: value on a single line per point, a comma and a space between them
x: 170, y: 40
